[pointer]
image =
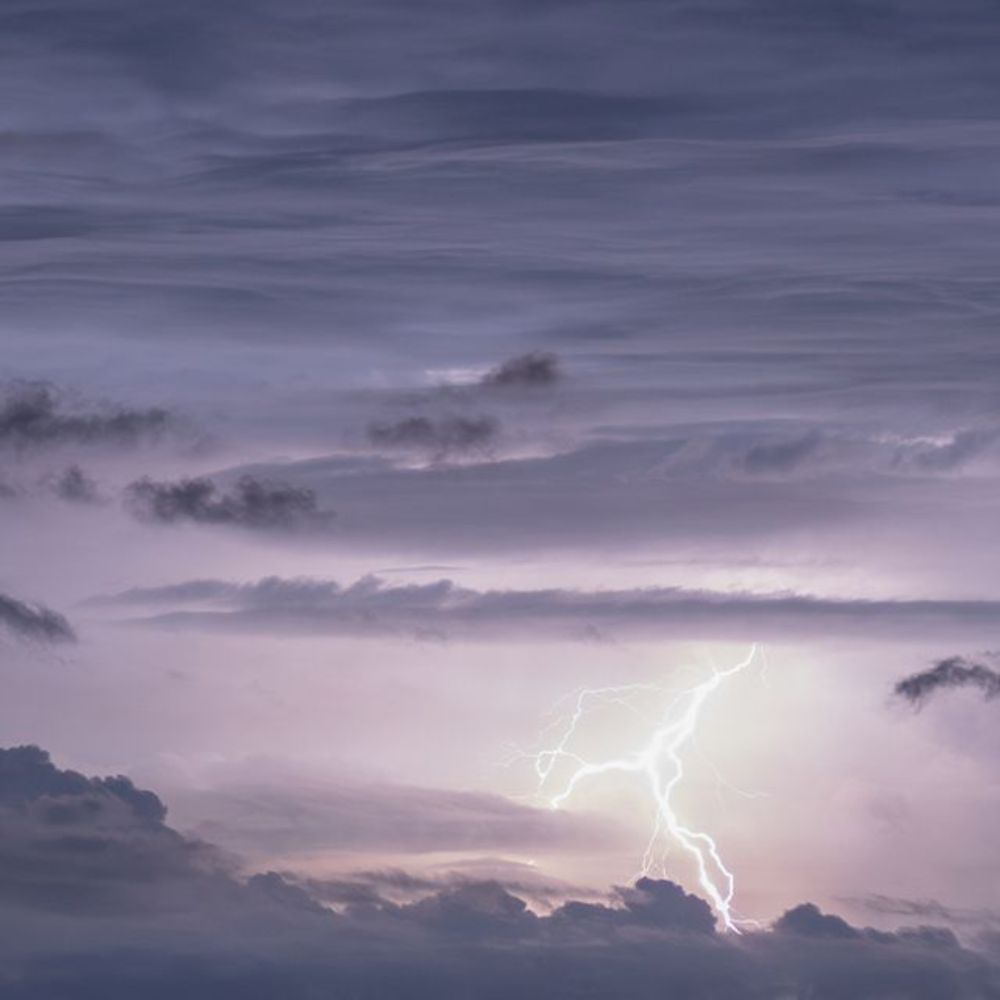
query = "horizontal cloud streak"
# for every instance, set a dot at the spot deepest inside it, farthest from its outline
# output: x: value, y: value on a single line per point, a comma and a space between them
x: 372, y: 607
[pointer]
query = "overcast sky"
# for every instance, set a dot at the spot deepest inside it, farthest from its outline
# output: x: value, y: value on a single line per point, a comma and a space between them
x: 377, y: 376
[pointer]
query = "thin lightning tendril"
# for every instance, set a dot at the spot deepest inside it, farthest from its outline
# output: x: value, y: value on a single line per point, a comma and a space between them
x: 660, y: 763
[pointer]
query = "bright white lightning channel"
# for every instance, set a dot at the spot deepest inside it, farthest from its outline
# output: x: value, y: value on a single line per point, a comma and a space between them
x: 660, y: 764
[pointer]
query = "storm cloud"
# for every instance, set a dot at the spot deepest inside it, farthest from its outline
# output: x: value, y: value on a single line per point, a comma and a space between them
x: 177, y: 916
x: 949, y: 675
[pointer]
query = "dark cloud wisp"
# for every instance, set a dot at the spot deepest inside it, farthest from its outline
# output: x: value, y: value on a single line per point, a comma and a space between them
x: 34, y: 621
x: 251, y: 503
x: 534, y: 370
x: 439, y: 437
x: 947, y: 675
x: 38, y: 415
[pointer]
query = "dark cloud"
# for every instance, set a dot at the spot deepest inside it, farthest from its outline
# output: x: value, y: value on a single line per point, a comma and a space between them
x: 373, y: 607
x: 534, y: 370
x: 34, y: 621
x: 808, y: 921
x: 950, y: 674
x: 251, y: 503
x: 37, y: 415
x: 437, y: 437
x: 102, y: 898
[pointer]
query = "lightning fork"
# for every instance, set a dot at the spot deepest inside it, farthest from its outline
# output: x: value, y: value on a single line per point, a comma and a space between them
x: 660, y: 763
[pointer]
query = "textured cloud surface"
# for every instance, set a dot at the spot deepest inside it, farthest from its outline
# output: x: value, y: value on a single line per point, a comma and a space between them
x: 123, y: 903
x: 402, y: 370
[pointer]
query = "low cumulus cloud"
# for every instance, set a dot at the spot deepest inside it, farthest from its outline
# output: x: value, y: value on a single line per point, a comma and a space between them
x: 102, y: 897
x: 442, y: 609
x: 251, y: 503
x: 39, y: 415
x: 534, y: 370
x: 436, y: 437
x: 33, y: 621
x: 949, y: 675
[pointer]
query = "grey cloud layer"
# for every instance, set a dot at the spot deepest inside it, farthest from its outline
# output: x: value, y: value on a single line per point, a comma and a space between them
x: 481, y: 190
x: 176, y: 919
x: 443, y: 609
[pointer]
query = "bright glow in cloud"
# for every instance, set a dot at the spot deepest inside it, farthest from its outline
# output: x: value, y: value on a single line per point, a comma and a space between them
x: 660, y: 763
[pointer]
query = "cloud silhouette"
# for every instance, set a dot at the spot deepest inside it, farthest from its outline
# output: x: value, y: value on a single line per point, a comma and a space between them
x: 948, y: 675
x: 100, y: 897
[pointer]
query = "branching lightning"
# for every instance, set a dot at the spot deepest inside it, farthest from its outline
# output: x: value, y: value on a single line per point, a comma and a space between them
x: 661, y: 765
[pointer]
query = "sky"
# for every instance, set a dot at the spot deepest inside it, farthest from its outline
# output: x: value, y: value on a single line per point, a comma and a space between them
x: 404, y: 407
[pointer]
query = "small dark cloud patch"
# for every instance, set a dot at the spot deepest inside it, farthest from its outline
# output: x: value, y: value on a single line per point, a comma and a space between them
x: 439, y: 438
x: 39, y: 415
x: 947, y: 675
x: 534, y: 370
x: 251, y: 503
x: 34, y: 621
x: 74, y: 486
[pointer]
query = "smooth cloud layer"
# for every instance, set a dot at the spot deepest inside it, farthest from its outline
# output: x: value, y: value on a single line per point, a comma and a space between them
x: 443, y: 609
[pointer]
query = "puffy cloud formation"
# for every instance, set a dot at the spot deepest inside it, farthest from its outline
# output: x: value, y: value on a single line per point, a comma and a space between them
x: 102, y: 898
x: 443, y: 609
x: 534, y: 370
x: 954, y: 672
x: 38, y: 415
x: 252, y: 503
x: 437, y: 437
x: 33, y: 621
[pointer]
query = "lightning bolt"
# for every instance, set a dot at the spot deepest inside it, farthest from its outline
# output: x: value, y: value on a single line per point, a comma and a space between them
x: 661, y: 765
